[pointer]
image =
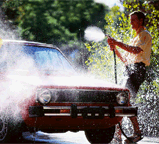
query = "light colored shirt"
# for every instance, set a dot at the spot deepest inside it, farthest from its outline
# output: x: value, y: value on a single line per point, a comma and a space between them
x: 144, y: 41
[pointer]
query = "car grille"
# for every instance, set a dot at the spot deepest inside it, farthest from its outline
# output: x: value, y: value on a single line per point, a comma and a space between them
x: 91, y: 96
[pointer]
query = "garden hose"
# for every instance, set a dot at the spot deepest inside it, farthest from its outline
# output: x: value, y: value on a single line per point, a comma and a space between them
x: 124, y: 133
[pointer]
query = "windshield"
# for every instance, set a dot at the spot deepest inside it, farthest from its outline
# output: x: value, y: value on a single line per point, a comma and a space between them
x: 47, y: 60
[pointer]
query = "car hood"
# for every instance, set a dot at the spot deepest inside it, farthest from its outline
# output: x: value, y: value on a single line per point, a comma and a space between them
x: 84, y: 82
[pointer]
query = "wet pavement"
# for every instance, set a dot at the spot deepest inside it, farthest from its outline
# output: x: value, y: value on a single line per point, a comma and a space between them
x: 72, y: 138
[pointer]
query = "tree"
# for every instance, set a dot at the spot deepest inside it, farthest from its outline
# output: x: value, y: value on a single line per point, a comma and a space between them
x: 101, y: 60
x: 54, y: 21
x: 61, y: 23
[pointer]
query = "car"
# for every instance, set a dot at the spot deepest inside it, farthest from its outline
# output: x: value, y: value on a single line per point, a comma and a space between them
x: 41, y: 90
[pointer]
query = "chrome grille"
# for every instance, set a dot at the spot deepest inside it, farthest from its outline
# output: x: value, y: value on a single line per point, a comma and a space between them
x: 87, y: 96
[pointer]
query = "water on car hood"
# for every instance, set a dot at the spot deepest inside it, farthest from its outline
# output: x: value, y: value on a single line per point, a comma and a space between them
x: 68, y: 81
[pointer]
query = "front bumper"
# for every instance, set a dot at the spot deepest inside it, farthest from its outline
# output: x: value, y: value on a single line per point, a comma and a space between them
x: 87, y: 112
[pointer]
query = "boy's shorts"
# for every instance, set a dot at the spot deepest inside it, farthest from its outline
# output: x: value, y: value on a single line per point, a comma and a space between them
x: 136, y: 75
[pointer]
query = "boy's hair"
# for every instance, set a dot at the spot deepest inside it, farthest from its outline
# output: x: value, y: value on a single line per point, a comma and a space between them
x: 139, y: 14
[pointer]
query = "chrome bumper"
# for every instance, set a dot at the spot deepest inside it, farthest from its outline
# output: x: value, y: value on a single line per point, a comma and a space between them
x: 87, y: 112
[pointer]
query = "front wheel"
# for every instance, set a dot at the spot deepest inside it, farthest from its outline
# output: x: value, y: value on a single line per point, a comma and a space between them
x: 10, y: 130
x: 100, y: 135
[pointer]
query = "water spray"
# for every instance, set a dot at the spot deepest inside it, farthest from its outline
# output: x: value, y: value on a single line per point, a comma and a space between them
x: 93, y: 33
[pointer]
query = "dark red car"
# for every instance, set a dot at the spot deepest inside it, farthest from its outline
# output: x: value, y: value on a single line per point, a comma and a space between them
x: 40, y: 90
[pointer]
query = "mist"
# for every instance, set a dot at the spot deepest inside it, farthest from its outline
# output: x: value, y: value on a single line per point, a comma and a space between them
x: 20, y: 76
x: 13, y: 65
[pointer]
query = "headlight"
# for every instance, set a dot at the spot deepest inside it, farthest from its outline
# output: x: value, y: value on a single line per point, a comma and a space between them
x: 44, y: 97
x: 122, y: 98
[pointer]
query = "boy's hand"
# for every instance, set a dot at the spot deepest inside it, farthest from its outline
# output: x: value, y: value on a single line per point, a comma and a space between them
x: 112, y: 47
x: 111, y: 41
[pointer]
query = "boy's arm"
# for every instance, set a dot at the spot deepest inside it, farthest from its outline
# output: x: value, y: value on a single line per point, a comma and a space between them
x: 131, y: 49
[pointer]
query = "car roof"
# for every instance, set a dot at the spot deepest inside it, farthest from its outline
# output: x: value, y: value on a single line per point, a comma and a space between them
x: 29, y: 43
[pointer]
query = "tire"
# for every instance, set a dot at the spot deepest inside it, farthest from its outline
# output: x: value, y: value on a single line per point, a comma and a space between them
x: 10, y: 130
x: 100, y: 135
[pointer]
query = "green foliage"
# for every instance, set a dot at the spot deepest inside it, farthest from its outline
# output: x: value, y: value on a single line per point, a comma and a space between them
x: 53, y: 21
x: 101, y: 61
x: 118, y: 26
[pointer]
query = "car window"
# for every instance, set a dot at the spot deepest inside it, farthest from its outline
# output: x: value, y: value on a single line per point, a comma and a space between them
x: 48, y: 59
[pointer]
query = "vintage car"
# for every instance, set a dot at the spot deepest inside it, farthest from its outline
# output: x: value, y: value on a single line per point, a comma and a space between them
x: 40, y: 90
